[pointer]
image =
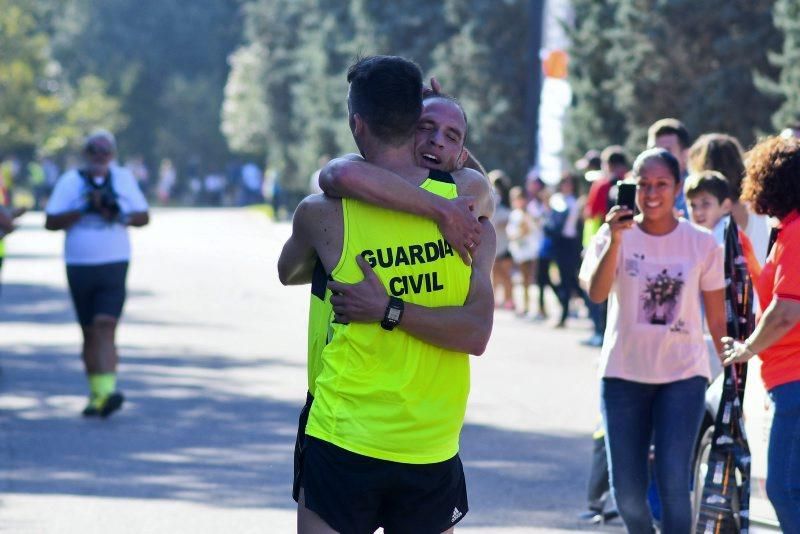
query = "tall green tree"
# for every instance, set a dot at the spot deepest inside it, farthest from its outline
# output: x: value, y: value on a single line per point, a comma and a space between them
x: 245, y: 115
x: 486, y: 64
x: 82, y: 109
x: 40, y: 107
x: 330, y: 45
x: 595, y: 120
x: 784, y: 85
x: 407, y: 28
x: 693, y: 60
x: 149, y: 52
x: 272, y: 43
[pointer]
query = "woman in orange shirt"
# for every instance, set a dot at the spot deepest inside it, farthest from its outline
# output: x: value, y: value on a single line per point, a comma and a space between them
x: 772, y: 186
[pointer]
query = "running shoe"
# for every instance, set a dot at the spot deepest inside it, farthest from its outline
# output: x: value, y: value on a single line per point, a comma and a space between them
x: 104, y: 406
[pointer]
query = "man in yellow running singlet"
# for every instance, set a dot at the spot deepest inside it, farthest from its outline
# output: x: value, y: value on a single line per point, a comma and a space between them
x: 439, y: 145
x: 393, y: 382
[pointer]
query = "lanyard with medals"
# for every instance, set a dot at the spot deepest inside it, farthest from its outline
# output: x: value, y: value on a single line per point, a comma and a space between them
x: 726, y: 497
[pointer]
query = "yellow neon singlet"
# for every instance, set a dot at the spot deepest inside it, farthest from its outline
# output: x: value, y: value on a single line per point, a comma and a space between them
x: 385, y: 394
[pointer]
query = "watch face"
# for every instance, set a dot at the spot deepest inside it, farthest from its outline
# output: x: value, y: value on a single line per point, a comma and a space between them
x: 394, y: 314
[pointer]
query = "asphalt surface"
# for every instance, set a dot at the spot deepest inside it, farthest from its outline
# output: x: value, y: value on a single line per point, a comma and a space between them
x: 213, y: 367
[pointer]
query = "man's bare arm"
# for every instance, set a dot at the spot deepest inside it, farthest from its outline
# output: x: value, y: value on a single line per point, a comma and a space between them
x: 460, y: 328
x: 296, y: 262
x: 62, y: 221
x: 6, y: 221
x: 138, y: 219
x: 475, y: 185
x: 464, y: 328
x: 348, y: 177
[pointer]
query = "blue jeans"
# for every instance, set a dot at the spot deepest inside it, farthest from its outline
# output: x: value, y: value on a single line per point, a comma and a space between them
x: 783, y: 466
x: 668, y: 415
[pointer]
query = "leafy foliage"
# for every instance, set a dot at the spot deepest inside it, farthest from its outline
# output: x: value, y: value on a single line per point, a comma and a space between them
x: 595, y: 121
x: 166, y: 62
x: 693, y: 60
x: 784, y: 85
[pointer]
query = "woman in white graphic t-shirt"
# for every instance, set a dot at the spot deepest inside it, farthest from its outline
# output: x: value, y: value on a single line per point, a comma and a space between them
x: 654, y: 269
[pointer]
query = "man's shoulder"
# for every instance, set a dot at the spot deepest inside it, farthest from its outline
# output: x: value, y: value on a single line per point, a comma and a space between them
x: 69, y: 180
x: 70, y: 175
x: 319, y: 201
x: 122, y: 174
x: 471, y: 182
x: 317, y: 207
x: 468, y: 177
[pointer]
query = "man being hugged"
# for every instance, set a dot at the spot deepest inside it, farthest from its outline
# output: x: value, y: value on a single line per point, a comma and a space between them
x: 390, y: 396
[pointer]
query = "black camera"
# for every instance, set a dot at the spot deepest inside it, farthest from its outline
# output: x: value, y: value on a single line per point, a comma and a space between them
x: 106, y: 204
x: 102, y: 199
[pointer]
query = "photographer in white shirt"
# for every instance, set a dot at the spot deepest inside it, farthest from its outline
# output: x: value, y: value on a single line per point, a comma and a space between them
x: 95, y: 204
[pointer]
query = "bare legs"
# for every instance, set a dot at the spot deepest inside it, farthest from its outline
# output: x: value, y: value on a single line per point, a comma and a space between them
x: 99, y: 345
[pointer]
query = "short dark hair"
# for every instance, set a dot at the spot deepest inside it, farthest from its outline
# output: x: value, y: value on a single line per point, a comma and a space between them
x: 386, y: 91
x: 711, y: 182
x: 663, y: 156
x: 772, y: 176
x: 668, y: 127
x: 614, y: 155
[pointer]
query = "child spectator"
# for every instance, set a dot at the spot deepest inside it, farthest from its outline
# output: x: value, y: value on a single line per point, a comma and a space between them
x: 708, y: 198
x: 524, y: 237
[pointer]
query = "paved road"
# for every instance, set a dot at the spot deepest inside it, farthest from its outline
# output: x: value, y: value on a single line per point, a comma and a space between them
x: 213, y: 365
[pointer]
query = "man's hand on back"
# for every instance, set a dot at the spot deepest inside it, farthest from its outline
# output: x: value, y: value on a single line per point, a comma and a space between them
x: 364, y: 302
x: 460, y: 226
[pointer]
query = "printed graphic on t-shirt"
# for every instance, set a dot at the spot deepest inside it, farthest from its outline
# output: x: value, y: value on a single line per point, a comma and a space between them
x: 660, y: 289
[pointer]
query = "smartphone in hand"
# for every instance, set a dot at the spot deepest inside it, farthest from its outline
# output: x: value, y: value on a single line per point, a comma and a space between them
x: 626, y: 198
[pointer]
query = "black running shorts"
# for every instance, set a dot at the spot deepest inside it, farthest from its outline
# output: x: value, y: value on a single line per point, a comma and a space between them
x: 356, y: 494
x: 97, y: 290
x: 299, y: 447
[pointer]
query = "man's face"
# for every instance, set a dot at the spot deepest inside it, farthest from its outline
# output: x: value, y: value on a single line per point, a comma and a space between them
x: 441, y: 131
x: 672, y: 144
x: 99, y: 153
x: 98, y: 164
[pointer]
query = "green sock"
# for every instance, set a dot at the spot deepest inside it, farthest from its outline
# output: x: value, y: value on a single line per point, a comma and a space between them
x: 102, y: 385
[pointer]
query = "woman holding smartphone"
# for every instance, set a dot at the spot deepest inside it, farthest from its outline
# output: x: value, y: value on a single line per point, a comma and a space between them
x: 654, y: 269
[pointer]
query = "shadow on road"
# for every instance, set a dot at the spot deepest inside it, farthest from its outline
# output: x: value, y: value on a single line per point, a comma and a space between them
x: 33, y: 255
x: 32, y: 303
x: 186, y: 434
x: 515, y: 476
x: 190, y: 433
x: 50, y: 305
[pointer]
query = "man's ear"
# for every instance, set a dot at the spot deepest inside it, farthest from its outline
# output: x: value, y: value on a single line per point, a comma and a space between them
x: 356, y: 124
x: 462, y: 158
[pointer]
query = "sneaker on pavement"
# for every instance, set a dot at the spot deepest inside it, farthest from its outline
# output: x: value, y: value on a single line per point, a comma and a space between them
x: 591, y: 516
x: 111, y: 404
x: 595, y: 341
x: 103, y: 406
x: 598, y: 518
x: 91, y: 409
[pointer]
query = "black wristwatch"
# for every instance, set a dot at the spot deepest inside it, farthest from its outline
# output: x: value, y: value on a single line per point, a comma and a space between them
x: 393, y: 314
